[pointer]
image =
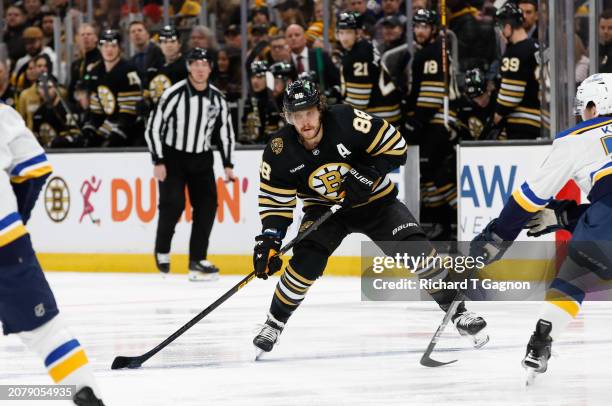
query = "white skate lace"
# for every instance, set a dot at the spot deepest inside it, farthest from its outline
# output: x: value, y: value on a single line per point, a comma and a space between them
x: 467, y: 318
x: 268, y: 332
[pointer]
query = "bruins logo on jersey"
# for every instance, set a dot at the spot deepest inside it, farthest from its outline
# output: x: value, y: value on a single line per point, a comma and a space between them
x: 157, y: 86
x: 475, y: 126
x: 46, y: 134
x: 107, y: 100
x: 277, y: 145
x: 327, y: 179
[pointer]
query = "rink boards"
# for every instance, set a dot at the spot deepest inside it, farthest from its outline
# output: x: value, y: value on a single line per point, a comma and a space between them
x: 98, y: 211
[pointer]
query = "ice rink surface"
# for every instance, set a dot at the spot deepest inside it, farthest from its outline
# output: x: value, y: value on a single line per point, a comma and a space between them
x: 336, y: 350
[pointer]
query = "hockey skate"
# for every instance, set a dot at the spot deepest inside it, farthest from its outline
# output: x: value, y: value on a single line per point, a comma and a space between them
x: 202, y: 271
x: 162, y: 261
x: 471, y: 326
x: 267, y: 337
x: 86, y: 397
x: 538, y: 351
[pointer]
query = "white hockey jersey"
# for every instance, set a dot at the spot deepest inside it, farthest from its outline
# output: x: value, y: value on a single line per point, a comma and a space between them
x: 582, y: 153
x: 20, y: 153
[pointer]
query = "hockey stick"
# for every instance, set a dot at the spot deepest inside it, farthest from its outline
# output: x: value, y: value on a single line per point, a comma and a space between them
x: 135, y: 362
x: 426, y: 359
x: 445, y: 72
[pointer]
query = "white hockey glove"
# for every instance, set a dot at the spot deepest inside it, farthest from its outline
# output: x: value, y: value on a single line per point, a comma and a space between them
x: 553, y: 218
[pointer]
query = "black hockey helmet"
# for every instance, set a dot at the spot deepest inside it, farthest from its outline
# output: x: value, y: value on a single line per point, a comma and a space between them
x: 300, y: 95
x: 168, y: 33
x: 509, y: 13
x: 259, y: 68
x: 197, y: 54
x: 425, y: 16
x: 281, y: 70
x: 111, y: 37
x: 475, y: 83
x: 348, y: 21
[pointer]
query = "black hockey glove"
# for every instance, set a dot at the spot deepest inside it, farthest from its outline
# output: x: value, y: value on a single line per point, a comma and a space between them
x: 89, y: 138
x: 488, y: 245
x: 116, y: 138
x: 555, y: 217
x: 265, y: 261
x: 412, y: 131
x: 358, y: 184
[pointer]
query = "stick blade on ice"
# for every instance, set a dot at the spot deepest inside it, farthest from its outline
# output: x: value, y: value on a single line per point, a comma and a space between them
x: 121, y: 362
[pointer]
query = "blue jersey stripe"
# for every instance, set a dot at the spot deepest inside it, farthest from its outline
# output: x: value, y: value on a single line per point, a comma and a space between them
x: 531, y: 196
x: 8, y: 220
x: 583, y: 126
x: 60, y: 351
x: 563, y: 286
x: 32, y: 161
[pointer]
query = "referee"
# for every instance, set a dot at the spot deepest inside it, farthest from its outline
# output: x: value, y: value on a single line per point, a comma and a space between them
x: 190, y: 116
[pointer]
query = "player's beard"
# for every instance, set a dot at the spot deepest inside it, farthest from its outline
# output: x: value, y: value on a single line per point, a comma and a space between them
x: 312, y: 138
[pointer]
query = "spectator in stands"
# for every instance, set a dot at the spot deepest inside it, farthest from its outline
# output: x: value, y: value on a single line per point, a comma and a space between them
x: 87, y: 41
x: 581, y: 61
x: 261, y: 116
x: 476, y: 42
x: 279, y: 50
x: 314, y: 32
x: 530, y: 14
x: 392, y: 34
x: 389, y: 8
x: 259, y: 16
x: 368, y: 18
x: 33, y: 37
x: 7, y: 92
x: 231, y: 37
x: 29, y: 99
x: 312, y: 61
x: 290, y: 13
x: 13, y: 33
x: 202, y: 37
x: 227, y: 77
x: 420, y: 4
x: 146, y: 53
x: 605, y: 41
x: 47, y: 19
x: 33, y: 9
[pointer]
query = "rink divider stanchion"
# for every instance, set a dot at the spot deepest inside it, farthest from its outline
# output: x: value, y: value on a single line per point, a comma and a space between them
x: 121, y: 362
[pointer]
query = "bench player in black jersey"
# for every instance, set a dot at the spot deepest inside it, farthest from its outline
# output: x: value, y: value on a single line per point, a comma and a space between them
x: 366, y: 84
x: 326, y: 155
x: 518, y: 100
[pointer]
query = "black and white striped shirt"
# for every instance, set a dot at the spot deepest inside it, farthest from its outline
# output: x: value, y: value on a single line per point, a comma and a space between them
x: 191, y: 121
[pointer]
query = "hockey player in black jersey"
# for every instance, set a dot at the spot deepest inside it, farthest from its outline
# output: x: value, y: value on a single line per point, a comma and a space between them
x: 366, y: 84
x: 325, y: 156
x: 518, y: 102
x: 55, y: 125
x: 425, y: 126
x: 476, y: 108
x: 261, y: 116
x: 174, y: 68
x: 116, y: 95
